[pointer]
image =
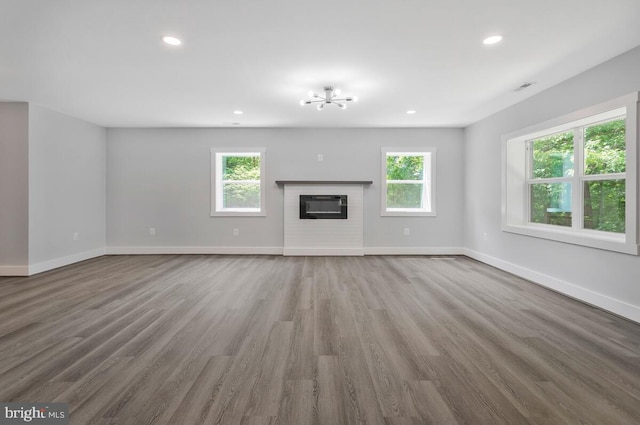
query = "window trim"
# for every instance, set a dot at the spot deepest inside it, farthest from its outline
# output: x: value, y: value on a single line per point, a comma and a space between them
x: 516, y: 178
x: 429, y: 180
x: 215, y: 181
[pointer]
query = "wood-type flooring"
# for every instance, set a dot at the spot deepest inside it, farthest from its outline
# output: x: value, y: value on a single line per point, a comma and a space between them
x: 184, y: 340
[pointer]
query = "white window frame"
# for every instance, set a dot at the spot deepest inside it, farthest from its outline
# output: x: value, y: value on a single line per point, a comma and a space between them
x: 216, y: 182
x: 517, y: 178
x: 428, y: 181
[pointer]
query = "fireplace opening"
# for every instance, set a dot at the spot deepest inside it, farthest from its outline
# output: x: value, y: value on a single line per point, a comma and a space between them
x: 323, y: 207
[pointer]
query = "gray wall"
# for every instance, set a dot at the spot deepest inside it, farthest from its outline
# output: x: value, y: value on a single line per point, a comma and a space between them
x: 14, y: 184
x: 66, y: 186
x: 160, y: 178
x: 585, y: 272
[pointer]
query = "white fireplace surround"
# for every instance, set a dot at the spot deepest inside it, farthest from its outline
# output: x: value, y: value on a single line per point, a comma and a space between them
x: 323, y: 237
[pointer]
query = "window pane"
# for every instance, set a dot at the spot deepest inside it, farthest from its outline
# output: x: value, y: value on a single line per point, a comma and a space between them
x: 236, y: 195
x: 551, y: 203
x: 604, y: 146
x: 604, y: 205
x: 407, y: 195
x: 240, y: 167
x: 553, y: 156
x: 405, y: 167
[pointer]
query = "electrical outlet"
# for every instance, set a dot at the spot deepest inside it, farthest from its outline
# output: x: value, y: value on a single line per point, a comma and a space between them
x: 236, y: 232
x: 76, y: 236
x: 320, y: 157
x: 406, y: 231
x: 152, y: 231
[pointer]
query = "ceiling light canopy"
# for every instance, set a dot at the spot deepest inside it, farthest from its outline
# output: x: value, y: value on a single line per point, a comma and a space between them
x: 330, y: 97
x: 172, y: 41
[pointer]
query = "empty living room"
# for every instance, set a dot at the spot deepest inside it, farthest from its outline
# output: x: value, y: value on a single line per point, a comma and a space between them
x: 293, y: 212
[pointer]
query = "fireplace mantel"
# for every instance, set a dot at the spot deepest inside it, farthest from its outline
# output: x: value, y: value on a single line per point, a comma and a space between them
x: 326, y: 182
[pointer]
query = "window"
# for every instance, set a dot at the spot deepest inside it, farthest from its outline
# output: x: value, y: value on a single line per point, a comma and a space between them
x: 237, y: 182
x: 408, y: 186
x: 574, y: 179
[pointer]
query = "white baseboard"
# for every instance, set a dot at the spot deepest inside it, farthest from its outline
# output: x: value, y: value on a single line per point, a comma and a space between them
x: 229, y: 250
x: 330, y: 252
x: 419, y: 250
x: 276, y: 250
x: 64, y: 261
x: 621, y: 308
x: 14, y: 270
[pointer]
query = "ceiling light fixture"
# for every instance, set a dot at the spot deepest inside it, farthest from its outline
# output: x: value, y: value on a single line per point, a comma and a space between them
x: 173, y: 41
x: 492, y: 40
x: 330, y: 97
x: 238, y: 112
x: 411, y: 112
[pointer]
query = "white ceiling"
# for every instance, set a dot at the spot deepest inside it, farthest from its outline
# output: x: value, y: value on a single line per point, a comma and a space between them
x: 103, y: 60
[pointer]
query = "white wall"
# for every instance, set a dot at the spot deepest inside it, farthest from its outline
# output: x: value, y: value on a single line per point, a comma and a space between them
x: 160, y: 178
x: 14, y: 187
x: 604, y: 278
x: 66, y: 189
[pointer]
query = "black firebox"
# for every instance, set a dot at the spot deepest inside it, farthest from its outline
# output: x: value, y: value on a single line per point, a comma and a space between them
x: 323, y: 207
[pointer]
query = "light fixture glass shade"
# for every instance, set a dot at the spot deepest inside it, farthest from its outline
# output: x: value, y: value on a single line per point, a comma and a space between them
x: 320, y: 106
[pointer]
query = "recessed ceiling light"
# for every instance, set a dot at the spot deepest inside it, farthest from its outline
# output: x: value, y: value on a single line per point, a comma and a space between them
x: 411, y: 112
x: 492, y: 40
x: 173, y: 41
x: 238, y: 112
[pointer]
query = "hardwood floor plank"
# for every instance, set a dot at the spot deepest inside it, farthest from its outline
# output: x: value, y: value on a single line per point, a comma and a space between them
x: 268, y: 386
x: 85, y: 364
x: 301, y: 361
x: 297, y: 403
x: 333, y: 402
x: 93, y: 383
x: 325, y: 333
x: 387, y: 380
x: 205, y: 390
x: 366, y: 406
x: 36, y: 370
x: 432, y: 409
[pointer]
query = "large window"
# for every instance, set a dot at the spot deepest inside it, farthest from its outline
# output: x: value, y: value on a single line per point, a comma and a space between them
x: 574, y: 179
x: 237, y: 182
x: 408, y: 185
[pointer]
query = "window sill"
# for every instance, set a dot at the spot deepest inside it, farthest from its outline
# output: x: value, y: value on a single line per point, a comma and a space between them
x: 238, y: 213
x: 408, y: 213
x: 599, y: 240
